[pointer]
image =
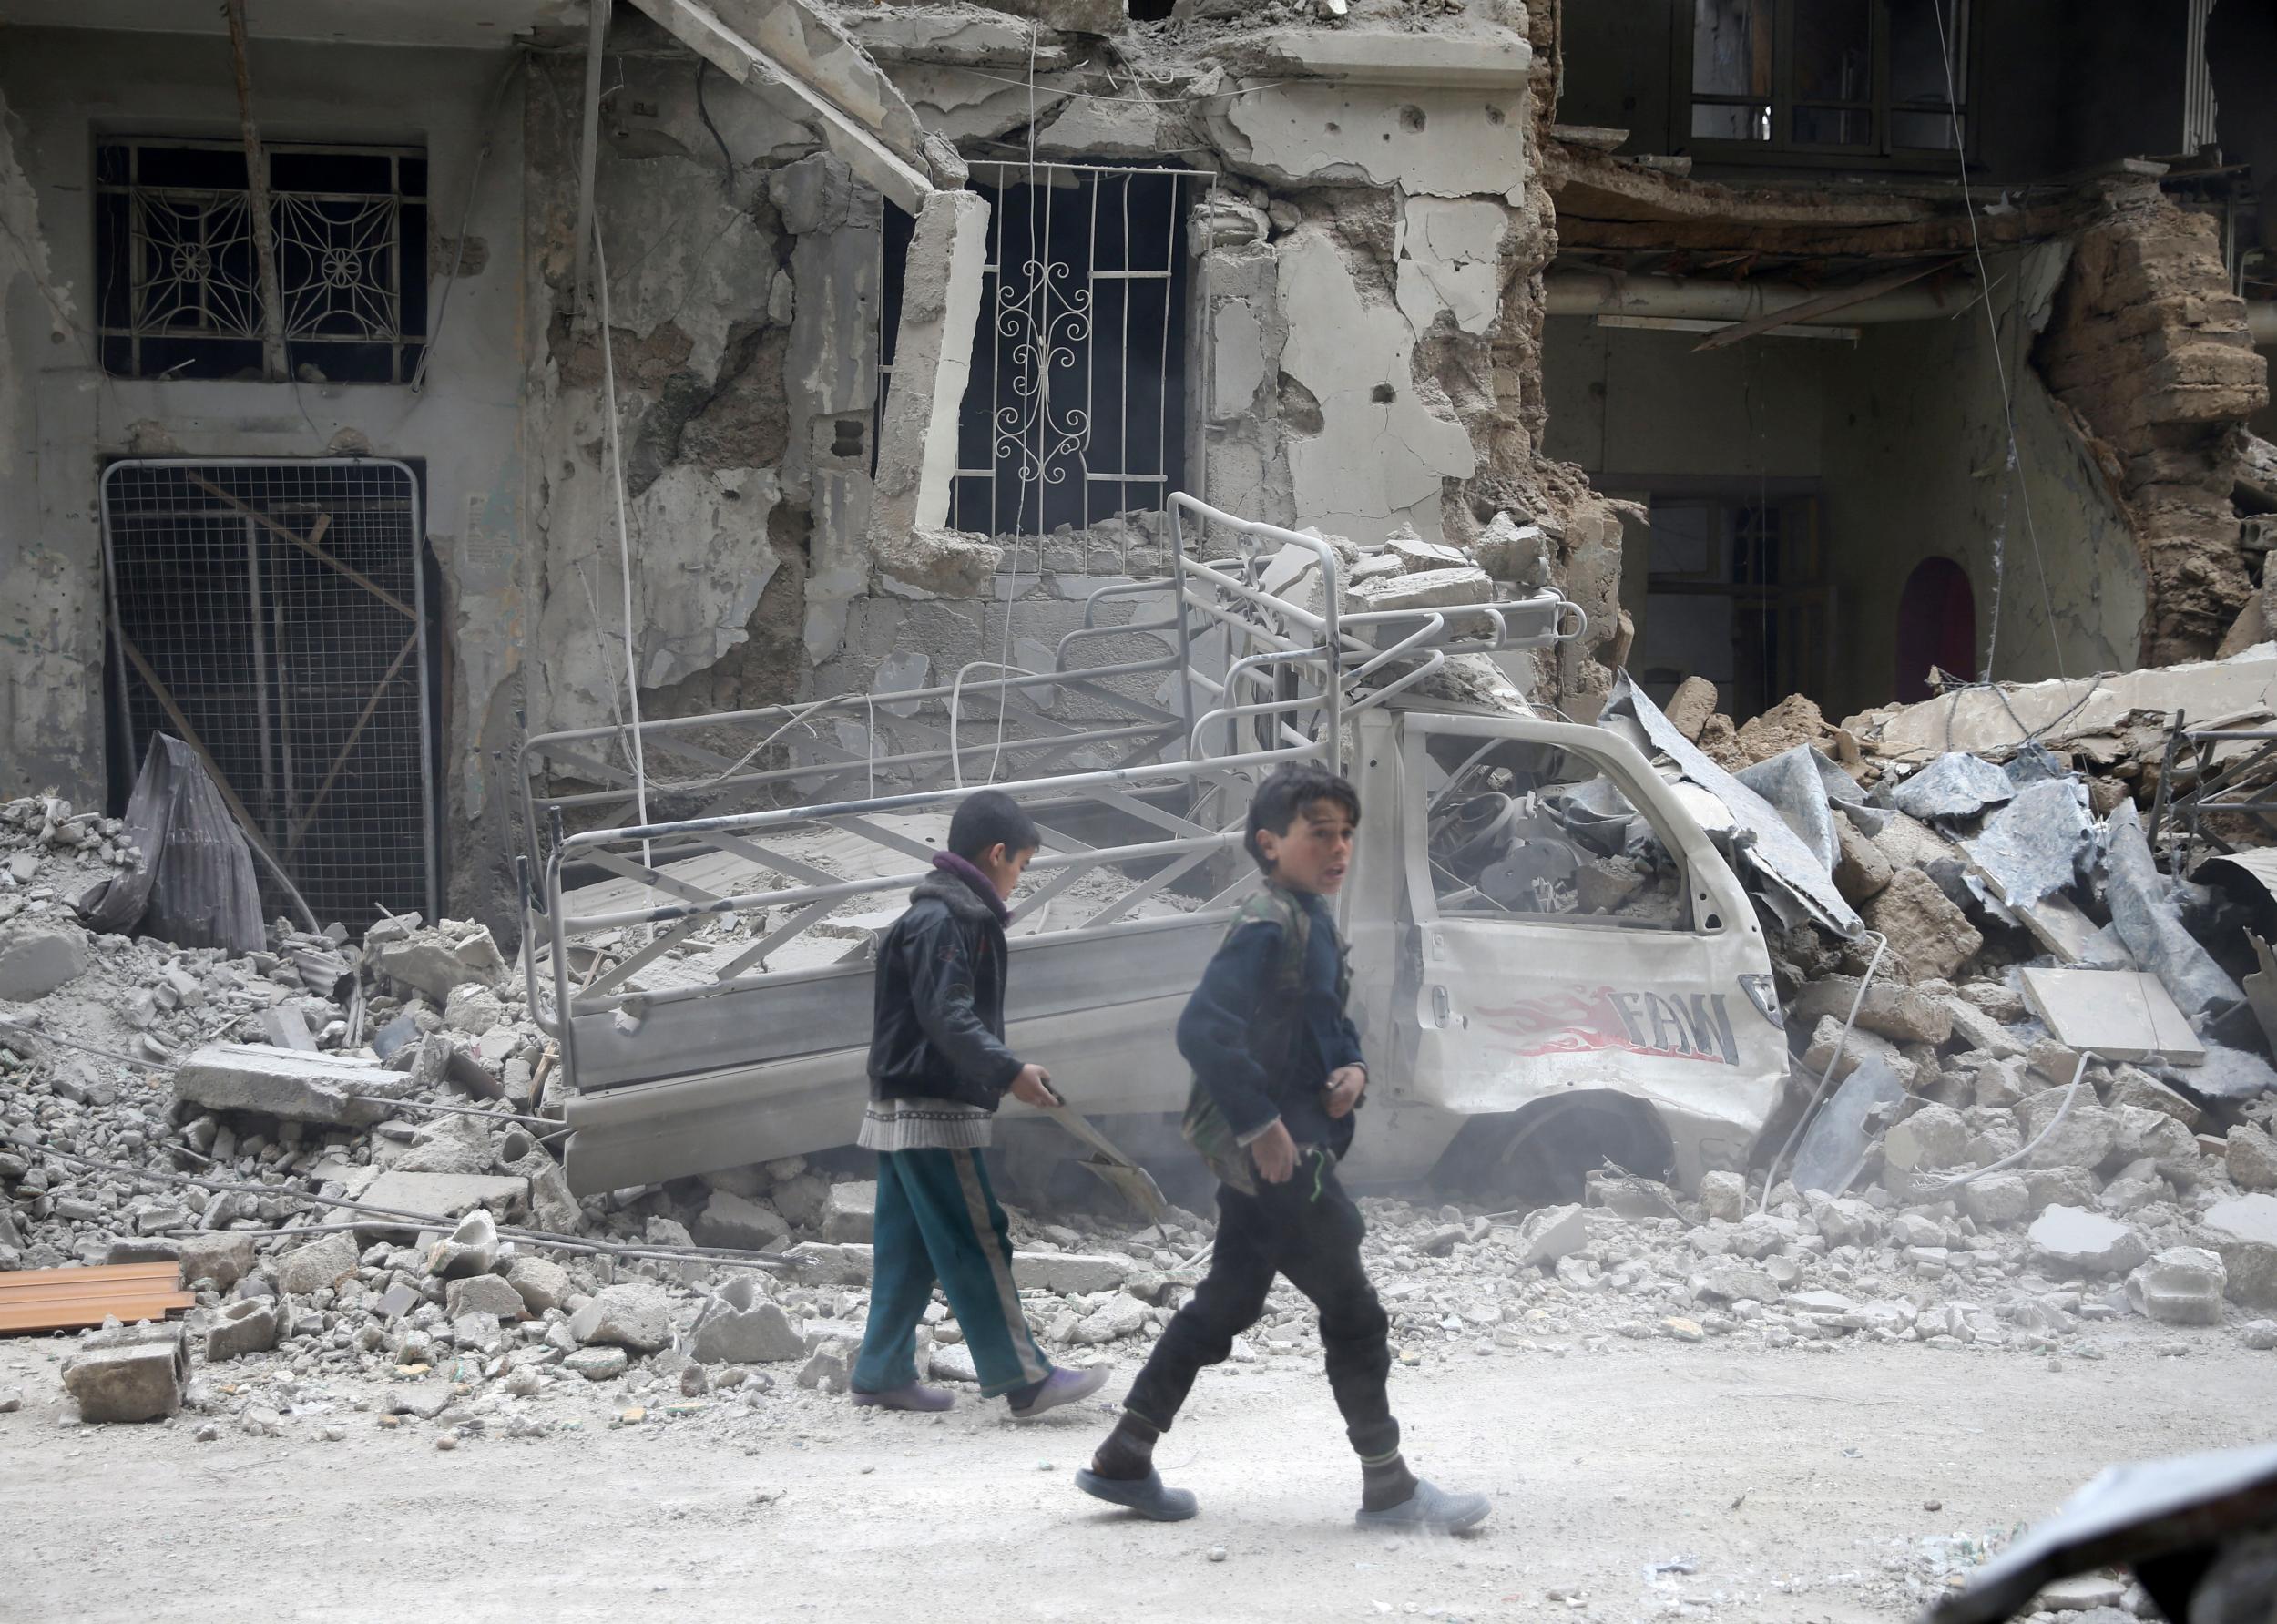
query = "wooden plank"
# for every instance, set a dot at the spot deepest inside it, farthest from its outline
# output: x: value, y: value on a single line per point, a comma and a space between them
x: 1825, y: 304
x: 69, y: 1299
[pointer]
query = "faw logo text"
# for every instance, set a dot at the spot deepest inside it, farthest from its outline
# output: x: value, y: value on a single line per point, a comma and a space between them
x: 1585, y: 1020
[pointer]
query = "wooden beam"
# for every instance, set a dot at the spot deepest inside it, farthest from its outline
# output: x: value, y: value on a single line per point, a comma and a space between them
x: 273, y: 333
x: 1825, y: 304
x: 308, y: 546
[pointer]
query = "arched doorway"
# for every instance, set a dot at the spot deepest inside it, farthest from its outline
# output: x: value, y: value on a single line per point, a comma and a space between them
x: 1936, y: 626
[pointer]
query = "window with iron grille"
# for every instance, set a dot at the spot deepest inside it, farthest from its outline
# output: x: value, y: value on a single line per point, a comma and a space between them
x: 1075, y: 410
x: 1837, y: 78
x: 179, y: 294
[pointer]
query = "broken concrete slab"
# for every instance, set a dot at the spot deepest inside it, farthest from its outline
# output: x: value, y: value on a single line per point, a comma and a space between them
x: 329, y: 1088
x: 932, y: 357
x: 1954, y: 785
x: 482, y: 1293
x: 851, y: 1211
x: 2182, y: 1285
x: 436, y: 961
x: 223, y: 1258
x: 934, y: 563
x: 1551, y: 1233
x: 37, y: 959
x: 2073, y: 1238
x: 733, y: 1221
x: 2252, y: 1156
x: 436, y: 1197
x: 129, y: 1372
x: 541, y: 1283
x: 2118, y: 1014
x: 2244, y: 1231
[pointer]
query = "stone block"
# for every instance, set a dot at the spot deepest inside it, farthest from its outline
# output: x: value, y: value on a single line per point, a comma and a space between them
x: 740, y: 1326
x: 1860, y: 871
x: 334, y: 1089
x: 2074, y: 1238
x: 1120, y: 1316
x: 1996, y: 1198
x: 1427, y: 589
x: 2086, y: 1138
x: 2058, y: 1187
x: 935, y: 563
x: 37, y: 959
x: 1073, y: 1273
x: 482, y: 1293
x: 2244, y: 1232
x: 1891, y: 1008
x: 1550, y: 1234
x: 1934, y: 1138
x: 246, y: 1326
x: 322, y: 1262
x: 1928, y: 935
x: 129, y: 1372
x: 541, y: 1283
x: 1724, y: 1196
x: 2131, y: 1084
x: 739, y: 1222
x: 803, y: 1200
x: 436, y: 963
x: 850, y: 1211
x: 597, y: 1364
x: 223, y: 1258
x: 627, y: 1316
x: 1982, y: 1033
x: 2183, y: 1285
x: 2251, y: 1155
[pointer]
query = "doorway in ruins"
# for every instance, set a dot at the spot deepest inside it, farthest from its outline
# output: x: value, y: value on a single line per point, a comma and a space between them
x: 273, y: 613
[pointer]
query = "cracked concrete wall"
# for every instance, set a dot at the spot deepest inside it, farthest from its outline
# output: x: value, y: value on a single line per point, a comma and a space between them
x: 2149, y: 348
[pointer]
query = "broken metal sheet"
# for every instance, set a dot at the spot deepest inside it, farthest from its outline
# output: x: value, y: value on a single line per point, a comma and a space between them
x: 1955, y: 785
x: 1843, y: 792
x: 1785, y: 863
x: 1833, y: 1148
x: 2120, y: 1015
x: 2035, y: 762
x: 2029, y: 849
x: 2127, y: 1514
x: 2151, y: 925
x: 1791, y: 783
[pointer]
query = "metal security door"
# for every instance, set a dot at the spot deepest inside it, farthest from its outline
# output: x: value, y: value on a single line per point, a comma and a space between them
x: 272, y: 615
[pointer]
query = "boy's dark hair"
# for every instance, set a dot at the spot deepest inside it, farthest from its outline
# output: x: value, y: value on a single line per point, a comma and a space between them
x: 1284, y: 796
x: 991, y: 818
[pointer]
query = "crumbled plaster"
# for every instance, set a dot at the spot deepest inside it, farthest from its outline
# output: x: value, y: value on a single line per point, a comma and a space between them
x: 1443, y: 143
x: 705, y: 560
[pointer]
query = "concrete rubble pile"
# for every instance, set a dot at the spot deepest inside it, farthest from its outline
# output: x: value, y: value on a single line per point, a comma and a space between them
x: 1936, y: 1173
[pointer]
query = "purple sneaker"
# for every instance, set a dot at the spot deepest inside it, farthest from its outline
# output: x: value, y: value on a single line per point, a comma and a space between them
x: 915, y: 1396
x: 1063, y: 1387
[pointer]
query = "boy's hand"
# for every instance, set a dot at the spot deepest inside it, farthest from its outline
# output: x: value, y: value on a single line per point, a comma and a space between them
x: 1034, y: 1087
x: 1344, y: 1087
x: 1275, y: 1153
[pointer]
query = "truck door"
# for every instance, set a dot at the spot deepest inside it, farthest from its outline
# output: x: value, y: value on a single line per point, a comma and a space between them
x: 1572, y: 928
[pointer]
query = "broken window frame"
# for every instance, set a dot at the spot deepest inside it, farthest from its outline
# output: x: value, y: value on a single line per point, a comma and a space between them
x: 1782, y: 103
x: 351, y: 263
x: 1019, y: 451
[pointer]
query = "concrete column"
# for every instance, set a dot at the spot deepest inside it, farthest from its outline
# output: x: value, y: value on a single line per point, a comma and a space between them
x: 933, y: 356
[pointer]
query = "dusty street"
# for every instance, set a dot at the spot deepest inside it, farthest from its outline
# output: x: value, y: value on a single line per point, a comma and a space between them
x: 1797, y: 1486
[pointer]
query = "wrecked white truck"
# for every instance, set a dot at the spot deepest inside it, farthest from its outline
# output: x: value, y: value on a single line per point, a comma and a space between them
x: 1551, y: 961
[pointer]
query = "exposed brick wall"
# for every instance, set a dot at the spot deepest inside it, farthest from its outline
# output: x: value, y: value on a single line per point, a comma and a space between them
x: 2149, y: 348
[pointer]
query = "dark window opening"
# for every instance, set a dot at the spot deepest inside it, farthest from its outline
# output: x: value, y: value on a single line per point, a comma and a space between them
x: 1733, y: 592
x: 178, y: 291
x: 1151, y: 11
x: 1075, y: 411
x: 1856, y: 77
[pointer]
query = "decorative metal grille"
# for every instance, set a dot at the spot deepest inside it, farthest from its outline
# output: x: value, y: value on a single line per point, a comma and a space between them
x: 272, y: 615
x: 174, y: 253
x: 1074, y: 411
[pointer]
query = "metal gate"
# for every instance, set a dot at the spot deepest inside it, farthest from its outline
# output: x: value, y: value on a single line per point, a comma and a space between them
x: 272, y: 613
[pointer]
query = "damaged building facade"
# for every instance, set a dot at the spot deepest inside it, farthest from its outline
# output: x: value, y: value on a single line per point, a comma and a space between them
x: 781, y: 349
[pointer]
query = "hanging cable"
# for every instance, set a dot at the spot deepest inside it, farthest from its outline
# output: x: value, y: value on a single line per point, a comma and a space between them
x: 624, y: 531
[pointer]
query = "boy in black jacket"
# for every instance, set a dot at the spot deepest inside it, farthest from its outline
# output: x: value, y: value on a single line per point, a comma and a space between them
x: 1277, y: 1073
x: 938, y: 1068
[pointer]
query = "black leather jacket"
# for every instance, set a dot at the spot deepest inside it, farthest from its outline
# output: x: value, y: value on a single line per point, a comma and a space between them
x: 938, y: 1029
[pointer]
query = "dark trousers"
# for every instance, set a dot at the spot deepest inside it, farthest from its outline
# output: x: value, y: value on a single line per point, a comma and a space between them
x: 1308, y: 1230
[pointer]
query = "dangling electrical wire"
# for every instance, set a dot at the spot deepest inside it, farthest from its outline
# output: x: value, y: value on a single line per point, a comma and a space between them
x: 623, y: 534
